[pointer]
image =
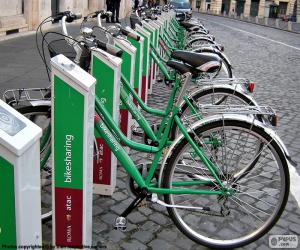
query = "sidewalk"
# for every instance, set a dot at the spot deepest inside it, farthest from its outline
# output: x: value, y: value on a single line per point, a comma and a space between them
x: 268, y: 22
x: 149, y: 226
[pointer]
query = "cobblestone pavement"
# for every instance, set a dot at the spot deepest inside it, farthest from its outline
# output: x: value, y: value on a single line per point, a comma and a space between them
x: 275, y: 68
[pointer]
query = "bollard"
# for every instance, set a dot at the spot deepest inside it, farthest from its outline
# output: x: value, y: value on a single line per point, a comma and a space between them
x: 276, y: 23
x: 107, y: 71
x: 73, y: 105
x: 256, y: 19
x: 267, y: 21
x: 145, y: 74
x: 289, y: 25
x: 20, y: 185
x: 127, y: 69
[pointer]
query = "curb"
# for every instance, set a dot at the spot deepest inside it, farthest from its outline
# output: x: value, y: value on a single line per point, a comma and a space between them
x: 235, y: 19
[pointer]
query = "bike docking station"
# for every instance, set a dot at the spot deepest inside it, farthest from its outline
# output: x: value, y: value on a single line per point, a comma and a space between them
x: 107, y: 71
x: 158, y: 30
x: 127, y: 70
x: 154, y: 36
x: 139, y: 45
x: 145, y: 72
x: 20, y: 182
x: 73, y: 107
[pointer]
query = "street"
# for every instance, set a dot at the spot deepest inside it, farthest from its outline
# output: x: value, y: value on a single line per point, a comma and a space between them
x: 267, y: 56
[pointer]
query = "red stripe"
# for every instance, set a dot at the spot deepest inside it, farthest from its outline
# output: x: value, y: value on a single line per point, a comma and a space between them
x: 149, y: 78
x: 102, y: 163
x: 134, y: 101
x: 124, y: 121
x: 144, y: 81
x: 68, y: 217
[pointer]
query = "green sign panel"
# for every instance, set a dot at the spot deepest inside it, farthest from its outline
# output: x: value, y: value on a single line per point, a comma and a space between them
x: 68, y: 139
x: 7, y: 207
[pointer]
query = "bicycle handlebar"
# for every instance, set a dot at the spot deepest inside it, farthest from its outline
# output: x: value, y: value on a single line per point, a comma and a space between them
x: 70, y: 17
x: 130, y: 34
x: 109, y: 48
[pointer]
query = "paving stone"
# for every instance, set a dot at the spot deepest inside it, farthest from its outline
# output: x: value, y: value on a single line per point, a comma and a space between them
x: 119, y: 196
x: 295, y: 228
x: 145, y: 210
x: 136, y: 217
x: 263, y: 247
x: 168, y: 234
x: 109, y: 218
x: 159, y: 244
x: 133, y: 245
x: 151, y: 226
x: 97, y: 210
x: 159, y: 218
x: 116, y: 235
x: 143, y: 236
x: 99, y: 226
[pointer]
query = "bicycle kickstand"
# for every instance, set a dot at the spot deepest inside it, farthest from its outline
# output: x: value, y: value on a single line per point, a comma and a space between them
x: 121, y: 221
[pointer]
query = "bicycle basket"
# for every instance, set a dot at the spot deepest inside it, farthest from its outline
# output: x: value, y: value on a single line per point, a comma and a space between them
x: 61, y: 46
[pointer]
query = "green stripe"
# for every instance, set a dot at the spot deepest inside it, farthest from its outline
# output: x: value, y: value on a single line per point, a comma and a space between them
x: 146, y: 54
x: 125, y: 68
x: 68, y: 135
x: 137, y: 45
x: 104, y: 75
x: 7, y: 207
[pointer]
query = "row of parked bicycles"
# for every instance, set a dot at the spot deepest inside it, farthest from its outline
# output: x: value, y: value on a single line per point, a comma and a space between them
x: 218, y: 165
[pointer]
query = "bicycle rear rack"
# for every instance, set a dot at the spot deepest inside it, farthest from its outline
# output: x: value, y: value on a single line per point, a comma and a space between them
x: 228, y: 81
x: 232, y: 81
x: 210, y: 109
x: 14, y: 97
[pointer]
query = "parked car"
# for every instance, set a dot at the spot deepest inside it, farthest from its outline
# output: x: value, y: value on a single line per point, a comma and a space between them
x: 182, y: 8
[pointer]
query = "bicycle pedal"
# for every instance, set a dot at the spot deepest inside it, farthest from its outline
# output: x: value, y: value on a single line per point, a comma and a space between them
x: 120, y: 223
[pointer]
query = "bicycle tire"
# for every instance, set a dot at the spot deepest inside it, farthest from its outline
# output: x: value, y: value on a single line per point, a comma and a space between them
x: 223, y: 233
x: 199, y: 41
x: 38, y: 114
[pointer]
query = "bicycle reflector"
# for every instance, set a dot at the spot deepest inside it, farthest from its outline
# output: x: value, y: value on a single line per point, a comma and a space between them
x: 251, y: 87
x: 274, y: 120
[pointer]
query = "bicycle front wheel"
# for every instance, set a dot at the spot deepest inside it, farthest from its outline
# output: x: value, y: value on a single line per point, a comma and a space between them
x: 259, y: 192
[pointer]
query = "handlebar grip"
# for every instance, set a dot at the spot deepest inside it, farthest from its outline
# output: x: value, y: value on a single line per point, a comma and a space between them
x: 131, y: 35
x: 60, y: 15
x: 113, y: 50
x: 109, y: 48
x: 77, y: 16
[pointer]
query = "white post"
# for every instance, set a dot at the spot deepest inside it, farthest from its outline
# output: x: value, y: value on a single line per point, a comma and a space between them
x: 107, y: 71
x: 20, y: 185
x: 73, y: 105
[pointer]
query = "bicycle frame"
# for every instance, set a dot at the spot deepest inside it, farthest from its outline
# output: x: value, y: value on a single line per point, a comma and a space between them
x: 111, y: 134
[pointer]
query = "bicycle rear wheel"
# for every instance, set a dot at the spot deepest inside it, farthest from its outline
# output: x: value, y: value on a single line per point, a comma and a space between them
x: 260, y: 192
x: 41, y: 116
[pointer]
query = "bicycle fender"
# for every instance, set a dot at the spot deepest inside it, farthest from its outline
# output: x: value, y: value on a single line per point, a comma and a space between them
x: 40, y: 103
x: 233, y: 87
x: 221, y: 117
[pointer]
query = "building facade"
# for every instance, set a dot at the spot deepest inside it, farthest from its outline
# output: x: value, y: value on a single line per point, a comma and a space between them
x: 24, y: 15
x: 260, y: 8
